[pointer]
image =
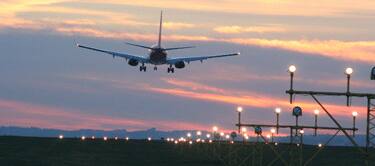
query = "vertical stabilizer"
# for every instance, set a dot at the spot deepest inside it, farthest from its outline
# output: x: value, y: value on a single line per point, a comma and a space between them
x: 160, y: 28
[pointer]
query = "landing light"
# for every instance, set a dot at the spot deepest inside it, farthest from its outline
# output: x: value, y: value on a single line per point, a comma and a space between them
x: 349, y: 71
x: 292, y: 68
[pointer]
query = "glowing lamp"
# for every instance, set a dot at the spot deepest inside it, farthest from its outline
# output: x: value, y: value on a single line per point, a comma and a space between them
x: 316, y: 112
x: 348, y: 71
x: 149, y: 138
x: 215, y: 128
x: 61, y: 137
x: 188, y: 135
x: 239, y: 109
x: 292, y: 68
x: 208, y: 135
x: 278, y: 110
x: 355, y: 114
x: 199, y: 133
x: 105, y: 138
x: 83, y: 138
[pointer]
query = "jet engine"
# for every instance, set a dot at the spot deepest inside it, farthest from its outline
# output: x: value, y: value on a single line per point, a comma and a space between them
x: 133, y: 62
x: 179, y: 65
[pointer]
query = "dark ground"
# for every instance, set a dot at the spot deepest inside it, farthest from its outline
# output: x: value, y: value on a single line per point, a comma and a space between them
x: 25, y: 151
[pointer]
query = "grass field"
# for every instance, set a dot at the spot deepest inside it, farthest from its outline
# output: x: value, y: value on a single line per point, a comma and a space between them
x: 54, y: 152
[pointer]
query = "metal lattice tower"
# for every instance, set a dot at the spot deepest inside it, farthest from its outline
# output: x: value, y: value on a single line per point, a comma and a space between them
x: 371, y: 123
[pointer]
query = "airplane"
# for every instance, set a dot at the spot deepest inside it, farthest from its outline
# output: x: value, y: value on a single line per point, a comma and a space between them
x: 157, y: 54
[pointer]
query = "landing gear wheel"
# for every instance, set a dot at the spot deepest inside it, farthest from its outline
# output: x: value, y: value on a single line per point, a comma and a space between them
x: 142, y: 68
x: 155, y: 68
x: 170, y: 70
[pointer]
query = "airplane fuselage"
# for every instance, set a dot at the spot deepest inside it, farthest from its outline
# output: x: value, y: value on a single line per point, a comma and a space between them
x: 158, y: 56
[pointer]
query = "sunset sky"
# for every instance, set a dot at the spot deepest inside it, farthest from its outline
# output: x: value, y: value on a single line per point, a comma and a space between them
x: 48, y: 82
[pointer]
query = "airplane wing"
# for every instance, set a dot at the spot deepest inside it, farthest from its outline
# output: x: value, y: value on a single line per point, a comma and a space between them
x: 115, y: 54
x: 197, y: 58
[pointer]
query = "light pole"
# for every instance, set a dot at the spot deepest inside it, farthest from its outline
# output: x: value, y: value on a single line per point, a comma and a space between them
x: 272, y: 133
x: 239, y: 110
x: 348, y: 73
x: 277, y: 111
x: 316, y: 113
x: 355, y: 114
x: 291, y: 70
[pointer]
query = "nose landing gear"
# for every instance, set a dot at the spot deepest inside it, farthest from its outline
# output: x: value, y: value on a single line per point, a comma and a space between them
x: 155, y: 68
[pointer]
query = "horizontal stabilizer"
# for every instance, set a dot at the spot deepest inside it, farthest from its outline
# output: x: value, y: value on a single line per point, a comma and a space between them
x: 178, y: 48
x: 137, y: 45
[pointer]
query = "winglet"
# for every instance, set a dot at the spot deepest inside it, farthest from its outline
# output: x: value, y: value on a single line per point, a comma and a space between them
x: 78, y: 45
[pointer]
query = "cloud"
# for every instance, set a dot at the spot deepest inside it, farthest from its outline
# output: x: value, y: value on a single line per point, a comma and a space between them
x: 177, y: 25
x: 193, y: 90
x: 250, y: 29
x: 28, y: 114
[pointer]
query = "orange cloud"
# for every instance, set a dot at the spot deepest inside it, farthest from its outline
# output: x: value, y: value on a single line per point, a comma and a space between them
x: 177, y: 25
x: 251, y: 29
x: 243, y: 98
x: 27, y: 114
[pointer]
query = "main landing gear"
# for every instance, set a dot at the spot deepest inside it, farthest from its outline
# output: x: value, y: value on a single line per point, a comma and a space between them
x: 142, y: 68
x: 170, y: 69
x: 155, y: 68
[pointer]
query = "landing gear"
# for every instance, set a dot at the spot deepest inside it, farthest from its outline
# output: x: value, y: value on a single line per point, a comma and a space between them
x: 170, y: 69
x: 155, y: 68
x: 142, y: 68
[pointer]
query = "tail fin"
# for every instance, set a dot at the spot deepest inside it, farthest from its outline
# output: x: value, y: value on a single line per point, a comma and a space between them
x: 160, y: 28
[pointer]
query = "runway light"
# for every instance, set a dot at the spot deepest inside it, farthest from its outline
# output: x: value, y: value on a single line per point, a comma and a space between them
x: 172, y: 139
x: 176, y: 142
x: 278, y: 110
x: 208, y: 135
x: 149, y: 138
x: 127, y: 138
x: 203, y: 141
x: 227, y: 136
x: 243, y: 129
x: 273, y: 130
x: 316, y: 112
x: 83, y: 138
x: 199, y: 133
x: 198, y: 140
x: 348, y: 71
x: 320, y: 145
x: 215, y: 128
x: 355, y: 114
x: 239, y: 109
x: 190, y: 142
x: 232, y: 142
x: 61, y: 137
x: 292, y: 68
x: 105, y: 138
x: 116, y: 138
x: 222, y: 134
x: 168, y: 140
x: 188, y: 135
x: 210, y: 141
x: 276, y: 144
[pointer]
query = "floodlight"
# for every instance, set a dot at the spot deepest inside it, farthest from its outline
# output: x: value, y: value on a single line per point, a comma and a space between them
x: 355, y: 114
x: 188, y: 135
x: 222, y: 134
x: 227, y: 136
x: 199, y: 133
x: 348, y: 71
x: 210, y: 141
x: 239, y: 109
x: 61, y: 137
x: 149, y: 138
x: 93, y: 137
x: 83, y: 138
x: 176, y: 142
x: 273, y: 130
x: 215, y: 128
x: 316, y: 112
x: 116, y: 138
x: 232, y: 142
x: 292, y: 68
x: 208, y: 135
x: 105, y: 138
x: 190, y: 142
x: 127, y: 138
x: 278, y: 110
